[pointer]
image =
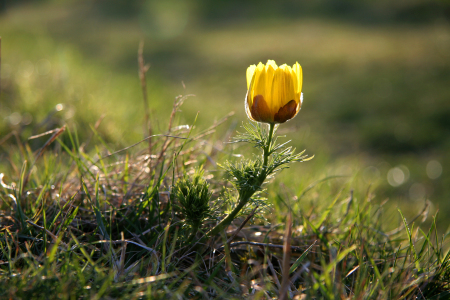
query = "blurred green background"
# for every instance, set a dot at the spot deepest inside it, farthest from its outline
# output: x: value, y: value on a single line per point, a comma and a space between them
x: 376, y: 79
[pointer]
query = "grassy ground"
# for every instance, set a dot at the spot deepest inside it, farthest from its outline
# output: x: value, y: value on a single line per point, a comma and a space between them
x: 376, y: 105
x: 110, y: 226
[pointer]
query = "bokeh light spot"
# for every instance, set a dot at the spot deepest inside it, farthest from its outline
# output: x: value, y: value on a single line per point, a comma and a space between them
x: 27, y: 118
x: 59, y: 107
x: 398, y: 175
x: 15, y: 118
x: 434, y: 169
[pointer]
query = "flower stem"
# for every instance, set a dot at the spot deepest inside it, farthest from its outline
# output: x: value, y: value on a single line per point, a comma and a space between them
x: 246, y: 195
x: 194, y: 231
x: 267, y: 149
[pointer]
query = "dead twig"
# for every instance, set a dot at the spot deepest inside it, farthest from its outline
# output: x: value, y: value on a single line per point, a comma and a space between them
x: 143, y: 68
x: 236, y: 244
x: 275, y: 277
x: 6, y: 137
x: 54, y: 237
x: 285, y: 282
x: 135, y: 144
x: 125, y: 241
x: 43, y: 134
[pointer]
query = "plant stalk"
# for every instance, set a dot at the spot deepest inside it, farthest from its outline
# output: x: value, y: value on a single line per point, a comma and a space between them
x: 244, y: 197
x: 267, y: 149
x: 194, y: 231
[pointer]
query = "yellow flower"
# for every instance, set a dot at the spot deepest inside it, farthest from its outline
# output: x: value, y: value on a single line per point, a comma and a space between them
x: 274, y: 93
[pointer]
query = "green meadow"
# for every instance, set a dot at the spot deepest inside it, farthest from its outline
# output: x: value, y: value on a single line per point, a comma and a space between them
x: 80, y: 208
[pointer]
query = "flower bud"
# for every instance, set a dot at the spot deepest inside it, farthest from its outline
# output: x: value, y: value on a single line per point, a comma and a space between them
x: 274, y: 93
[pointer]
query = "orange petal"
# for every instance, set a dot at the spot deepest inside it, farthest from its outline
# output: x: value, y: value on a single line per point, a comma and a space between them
x: 287, y: 112
x: 260, y: 110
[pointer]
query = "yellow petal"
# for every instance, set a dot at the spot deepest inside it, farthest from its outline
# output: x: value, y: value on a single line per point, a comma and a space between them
x: 250, y: 72
x: 294, y: 79
x: 270, y: 72
x: 254, y: 82
x: 282, y: 89
x: 298, y: 72
x: 272, y: 63
x: 259, y: 82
